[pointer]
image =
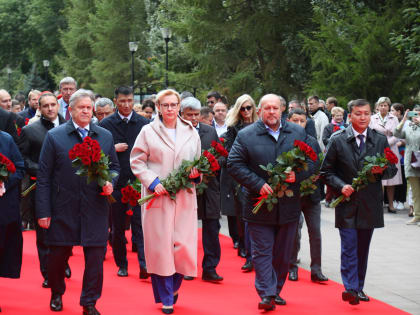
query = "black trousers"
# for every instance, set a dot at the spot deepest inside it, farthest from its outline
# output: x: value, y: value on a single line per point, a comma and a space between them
x: 92, y: 277
x: 312, y: 213
x: 211, y: 244
x: 119, y: 216
x: 271, y: 249
x: 11, y: 247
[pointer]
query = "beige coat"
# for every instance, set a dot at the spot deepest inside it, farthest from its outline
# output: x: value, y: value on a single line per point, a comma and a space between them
x: 387, y: 129
x: 169, y: 227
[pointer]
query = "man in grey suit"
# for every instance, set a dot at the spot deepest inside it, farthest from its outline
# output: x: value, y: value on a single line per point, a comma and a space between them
x: 67, y: 87
x: 209, y: 202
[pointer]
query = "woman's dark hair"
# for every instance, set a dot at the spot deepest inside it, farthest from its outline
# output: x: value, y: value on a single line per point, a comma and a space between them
x: 148, y: 103
x: 399, y: 108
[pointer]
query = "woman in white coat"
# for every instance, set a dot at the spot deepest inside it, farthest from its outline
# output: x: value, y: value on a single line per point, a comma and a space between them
x: 169, y: 226
x: 384, y: 122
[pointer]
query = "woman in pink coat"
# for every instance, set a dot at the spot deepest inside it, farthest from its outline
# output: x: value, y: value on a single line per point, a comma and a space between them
x: 169, y: 226
x: 384, y: 122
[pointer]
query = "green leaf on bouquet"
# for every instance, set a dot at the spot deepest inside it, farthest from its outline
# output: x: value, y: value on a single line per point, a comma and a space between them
x: 275, y: 200
x: 101, y: 181
x: 270, y: 206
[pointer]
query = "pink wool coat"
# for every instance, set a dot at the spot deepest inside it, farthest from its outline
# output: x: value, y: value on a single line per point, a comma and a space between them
x: 169, y: 226
x: 387, y: 129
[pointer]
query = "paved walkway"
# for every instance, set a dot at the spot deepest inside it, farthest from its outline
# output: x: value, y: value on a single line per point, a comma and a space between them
x: 393, y: 274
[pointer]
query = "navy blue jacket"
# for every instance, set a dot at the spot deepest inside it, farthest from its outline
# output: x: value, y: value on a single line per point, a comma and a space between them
x: 124, y: 133
x: 9, y: 202
x: 79, y: 214
x: 254, y: 146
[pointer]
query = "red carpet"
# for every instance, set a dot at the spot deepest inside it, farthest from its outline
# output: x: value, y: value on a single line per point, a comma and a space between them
x: 124, y: 296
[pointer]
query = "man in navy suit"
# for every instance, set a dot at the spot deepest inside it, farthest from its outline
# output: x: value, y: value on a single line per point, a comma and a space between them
x: 356, y: 218
x: 125, y: 125
x: 73, y: 211
x: 272, y: 232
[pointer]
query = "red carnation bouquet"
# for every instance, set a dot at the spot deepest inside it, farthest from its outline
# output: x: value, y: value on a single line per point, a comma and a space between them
x: 366, y: 176
x: 293, y: 160
x: 6, y: 168
x: 178, y: 179
x: 91, y: 162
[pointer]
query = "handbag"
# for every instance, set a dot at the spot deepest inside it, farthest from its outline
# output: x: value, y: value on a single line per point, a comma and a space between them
x: 415, y: 160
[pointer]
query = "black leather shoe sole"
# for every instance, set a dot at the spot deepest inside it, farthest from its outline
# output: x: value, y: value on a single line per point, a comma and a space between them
x: 266, y: 306
x: 122, y: 273
x: 279, y: 301
x: 363, y: 297
x: 293, y: 276
x: 188, y: 278
x: 56, y: 304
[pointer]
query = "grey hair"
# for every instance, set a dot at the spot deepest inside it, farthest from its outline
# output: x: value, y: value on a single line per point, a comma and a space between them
x: 82, y: 93
x: 103, y: 101
x: 186, y: 94
x: 383, y: 99
x: 190, y: 102
x: 67, y: 80
x: 281, y: 99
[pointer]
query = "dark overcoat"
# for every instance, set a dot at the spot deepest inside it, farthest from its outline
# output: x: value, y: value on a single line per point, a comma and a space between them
x: 123, y: 132
x: 328, y: 131
x: 341, y: 164
x: 10, y: 224
x: 79, y: 213
x: 209, y: 202
x: 7, y: 123
x: 254, y: 146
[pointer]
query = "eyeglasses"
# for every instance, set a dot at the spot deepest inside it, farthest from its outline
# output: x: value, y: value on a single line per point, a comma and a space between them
x: 246, y: 108
x: 169, y: 105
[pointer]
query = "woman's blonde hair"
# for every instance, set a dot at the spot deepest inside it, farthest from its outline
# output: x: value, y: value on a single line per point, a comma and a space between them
x: 337, y: 110
x: 167, y: 92
x: 234, y: 115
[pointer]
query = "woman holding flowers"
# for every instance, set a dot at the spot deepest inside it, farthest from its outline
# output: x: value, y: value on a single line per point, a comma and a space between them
x: 169, y: 226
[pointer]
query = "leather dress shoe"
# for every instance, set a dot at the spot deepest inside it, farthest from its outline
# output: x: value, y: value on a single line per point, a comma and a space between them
x: 318, y: 277
x: 363, y: 297
x: 391, y: 210
x: 122, y: 272
x: 67, y: 272
x: 350, y: 296
x: 211, y: 276
x: 279, y: 300
x: 242, y: 252
x: 143, y: 273
x: 248, y: 266
x: 293, y: 275
x: 235, y: 245
x: 45, y: 283
x: 188, y: 278
x: 90, y: 310
x: 167, y: 310
x: 56, y: 303
x: 267, y: 303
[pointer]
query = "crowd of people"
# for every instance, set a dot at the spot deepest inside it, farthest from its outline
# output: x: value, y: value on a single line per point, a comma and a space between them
x: 148, y: 141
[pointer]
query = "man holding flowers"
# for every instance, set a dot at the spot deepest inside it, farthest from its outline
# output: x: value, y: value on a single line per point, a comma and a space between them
x: 348, y: 155
x: 272, y: 232
x: 74, y: 211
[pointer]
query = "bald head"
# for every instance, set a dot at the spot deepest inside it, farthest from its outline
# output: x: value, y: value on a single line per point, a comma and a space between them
x: 5, y: 100
x: 270, y: 107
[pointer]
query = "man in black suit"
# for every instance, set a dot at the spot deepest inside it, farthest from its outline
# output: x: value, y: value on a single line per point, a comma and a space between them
x: 13, y: 122
x: 7, y: 124
x: 29, y: 112
x: 125, y: 125
x: 209, y: 202
x: 30, y: 144
x: 73, y: 211
x: 272, y: 232
x: 357, y: 218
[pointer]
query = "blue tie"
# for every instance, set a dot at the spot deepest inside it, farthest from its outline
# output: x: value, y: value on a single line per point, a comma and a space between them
x: 83, y: 132
x: 362, y: 142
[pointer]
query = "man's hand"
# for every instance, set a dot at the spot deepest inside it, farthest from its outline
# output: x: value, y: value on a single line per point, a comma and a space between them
x: 2, y: 189
x: 347, y: 191
x: 266, y: 189
x: 194, y: 173
x: 121, y: 147
x: 107, y: 188
x: 160, y: 190
x: 378, y: 170
x: 44, y: 222
x: 291, y: 177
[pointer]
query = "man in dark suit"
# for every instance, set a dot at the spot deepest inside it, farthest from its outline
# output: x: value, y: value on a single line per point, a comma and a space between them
x: 356, y: 218
x: 30, y: 144
x: 29, y: 112
x: 7, y: 124
x: 311, y: 209
x: 125, y: 125
x: 272, y: 232
x: 209, y: 201
x: 73, y: 211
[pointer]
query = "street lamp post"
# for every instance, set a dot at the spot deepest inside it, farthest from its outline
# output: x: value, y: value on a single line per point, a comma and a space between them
x: 46, y: 64
x: 166, y: 34
x: 9, y: 73
x: 133, y: 48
